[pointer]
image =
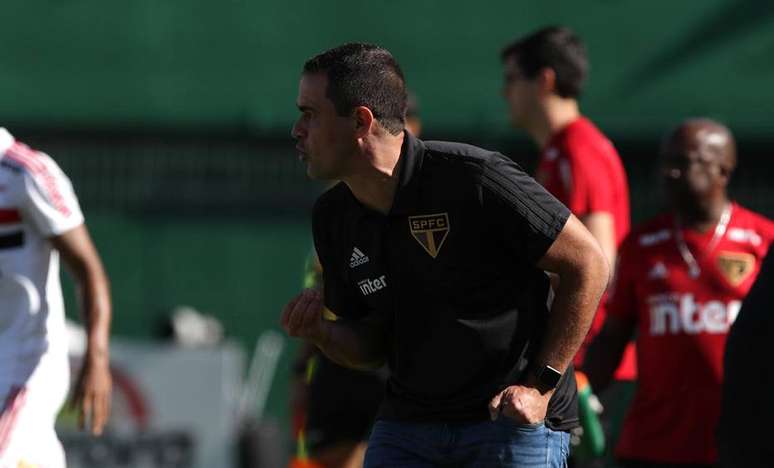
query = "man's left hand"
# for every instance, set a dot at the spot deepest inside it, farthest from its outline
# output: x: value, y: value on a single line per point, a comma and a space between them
x: 525, y: 404
x: 91, y: 396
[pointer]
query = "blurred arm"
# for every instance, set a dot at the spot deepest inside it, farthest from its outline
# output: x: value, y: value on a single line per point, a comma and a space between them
x: 80, y: 256
x: 605, y: 352
x: 602, y: 226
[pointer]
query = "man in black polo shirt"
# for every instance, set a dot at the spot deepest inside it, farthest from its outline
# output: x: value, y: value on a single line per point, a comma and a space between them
x: 433, y: 256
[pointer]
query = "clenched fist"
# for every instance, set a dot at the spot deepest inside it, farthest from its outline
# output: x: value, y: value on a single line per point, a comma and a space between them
x: 302, y: 317
x: 524, y: 404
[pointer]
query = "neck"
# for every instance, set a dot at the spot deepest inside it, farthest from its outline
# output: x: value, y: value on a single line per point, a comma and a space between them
x: 376, y: 181
x: 702, y: 215
x: 554, y: 115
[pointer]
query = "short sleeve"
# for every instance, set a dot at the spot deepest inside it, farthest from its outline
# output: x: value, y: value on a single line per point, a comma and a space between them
x: 528, y: 217
x: 338, y: 298
x: 48, y: 200
x: 621, y: 301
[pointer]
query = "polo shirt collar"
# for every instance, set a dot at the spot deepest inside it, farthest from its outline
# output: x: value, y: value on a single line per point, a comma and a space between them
x: 409, y: 166
x: 412, y: 155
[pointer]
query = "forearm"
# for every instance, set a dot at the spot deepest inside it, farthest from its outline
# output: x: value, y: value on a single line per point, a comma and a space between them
x: 575, y: 303
x: 96, y: 310
x: 354, y: 345
x: 605, y: 352
x: 602, y: 359
x: 359, y: 344
x: 83, y: 262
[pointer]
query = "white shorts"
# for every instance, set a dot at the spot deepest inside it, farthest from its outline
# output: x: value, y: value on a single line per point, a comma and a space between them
x: 29, y: 411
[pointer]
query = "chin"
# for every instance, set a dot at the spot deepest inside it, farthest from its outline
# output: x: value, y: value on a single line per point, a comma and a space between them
x: 312, y: 174
x: 316, y: 174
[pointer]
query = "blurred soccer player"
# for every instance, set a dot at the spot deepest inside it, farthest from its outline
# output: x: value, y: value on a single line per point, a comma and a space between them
x: 40, y: 219
x: 334, y: 407
x: 680, y: 282
x: 544, y: 74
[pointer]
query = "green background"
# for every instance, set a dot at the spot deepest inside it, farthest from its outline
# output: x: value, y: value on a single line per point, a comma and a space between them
x: 172, y: 119
x: 234, y: 63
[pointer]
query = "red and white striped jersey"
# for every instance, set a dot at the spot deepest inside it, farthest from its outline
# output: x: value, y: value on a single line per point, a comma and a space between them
x: 37, y: 202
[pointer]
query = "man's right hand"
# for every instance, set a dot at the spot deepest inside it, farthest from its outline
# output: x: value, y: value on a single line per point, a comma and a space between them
x: 302, y: 316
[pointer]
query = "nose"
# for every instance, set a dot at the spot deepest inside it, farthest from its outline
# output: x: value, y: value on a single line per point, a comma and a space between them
x: 297, y: 130
x: 673, y: 173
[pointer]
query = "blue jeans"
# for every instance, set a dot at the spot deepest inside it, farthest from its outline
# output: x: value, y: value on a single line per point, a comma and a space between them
x: 487, y: 444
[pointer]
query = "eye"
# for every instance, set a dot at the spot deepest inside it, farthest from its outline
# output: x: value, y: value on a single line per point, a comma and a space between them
x: 306, y: 113
x: 509, y: 78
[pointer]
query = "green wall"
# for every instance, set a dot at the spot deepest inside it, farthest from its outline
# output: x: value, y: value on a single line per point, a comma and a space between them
x: 235, y: 63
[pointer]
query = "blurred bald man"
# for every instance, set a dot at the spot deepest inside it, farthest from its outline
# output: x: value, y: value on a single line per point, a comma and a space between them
x: 679, y: 286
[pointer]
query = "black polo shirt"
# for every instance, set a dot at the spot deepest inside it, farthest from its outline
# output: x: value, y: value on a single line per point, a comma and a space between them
x: 452, y: 270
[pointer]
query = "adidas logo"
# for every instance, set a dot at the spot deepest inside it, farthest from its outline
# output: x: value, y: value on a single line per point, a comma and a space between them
x: 659, y: 271
x: 358, y: 258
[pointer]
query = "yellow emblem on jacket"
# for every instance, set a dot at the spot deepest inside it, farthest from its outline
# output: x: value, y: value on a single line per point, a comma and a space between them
x: 430, y: 231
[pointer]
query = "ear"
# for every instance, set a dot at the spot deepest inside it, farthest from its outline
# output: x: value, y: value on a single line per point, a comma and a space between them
x: 725, y: 173
x: 725, y: 158
x: 546, y: 79
x: 364, y: 120
x: 730, y: 166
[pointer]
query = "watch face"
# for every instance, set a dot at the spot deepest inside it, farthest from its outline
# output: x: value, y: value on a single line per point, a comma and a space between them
x: 550, y: 376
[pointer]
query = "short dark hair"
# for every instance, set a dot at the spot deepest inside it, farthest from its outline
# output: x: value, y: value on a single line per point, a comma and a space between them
x: 554, y: 47
x: 364, y: 75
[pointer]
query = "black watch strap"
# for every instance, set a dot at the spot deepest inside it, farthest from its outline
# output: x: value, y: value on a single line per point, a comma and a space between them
x: 548, y: 377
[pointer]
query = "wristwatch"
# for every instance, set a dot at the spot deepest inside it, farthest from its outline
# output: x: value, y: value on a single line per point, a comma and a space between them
x: 548, y: 377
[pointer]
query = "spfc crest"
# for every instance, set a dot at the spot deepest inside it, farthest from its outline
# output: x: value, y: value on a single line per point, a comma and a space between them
x: 736, y: 266
x: 430, y: 231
